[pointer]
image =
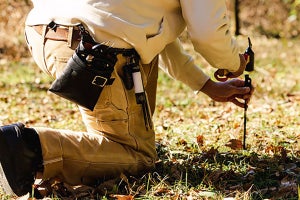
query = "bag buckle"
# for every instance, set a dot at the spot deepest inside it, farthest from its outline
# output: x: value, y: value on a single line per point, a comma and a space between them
x: 99, y: 81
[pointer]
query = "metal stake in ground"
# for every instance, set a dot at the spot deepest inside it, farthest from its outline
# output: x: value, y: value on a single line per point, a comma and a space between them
x: 249, y: 55
x: 247, y: 84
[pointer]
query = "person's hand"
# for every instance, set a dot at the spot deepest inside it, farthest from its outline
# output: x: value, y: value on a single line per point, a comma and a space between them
x: 223, y: 74
x: 229, y: 91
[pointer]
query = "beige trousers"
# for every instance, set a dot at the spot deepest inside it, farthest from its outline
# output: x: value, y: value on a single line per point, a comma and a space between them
x: 116, y: 140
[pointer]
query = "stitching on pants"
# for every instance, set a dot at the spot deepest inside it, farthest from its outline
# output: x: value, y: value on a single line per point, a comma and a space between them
x: 44, y: 52
x: 53, y: 161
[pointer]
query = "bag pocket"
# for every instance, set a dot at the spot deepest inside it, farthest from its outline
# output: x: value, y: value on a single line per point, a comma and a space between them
x: 80, y: 83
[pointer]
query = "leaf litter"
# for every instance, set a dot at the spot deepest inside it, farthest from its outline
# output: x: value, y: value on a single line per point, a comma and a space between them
x: 199, y: 141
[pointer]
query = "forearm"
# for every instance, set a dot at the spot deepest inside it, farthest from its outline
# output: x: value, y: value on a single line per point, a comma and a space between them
x: 180, y: 66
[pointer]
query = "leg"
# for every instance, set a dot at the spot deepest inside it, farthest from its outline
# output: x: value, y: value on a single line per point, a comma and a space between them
x: 116, y: 141
x: 20, y: 158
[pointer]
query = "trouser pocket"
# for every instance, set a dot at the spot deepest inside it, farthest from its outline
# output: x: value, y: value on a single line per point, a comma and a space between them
x: 51, y: 56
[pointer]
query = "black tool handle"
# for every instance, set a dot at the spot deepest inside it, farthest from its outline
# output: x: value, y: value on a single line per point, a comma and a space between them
x: 250, y: 57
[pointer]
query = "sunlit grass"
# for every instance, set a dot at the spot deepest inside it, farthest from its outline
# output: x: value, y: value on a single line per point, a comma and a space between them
x: 188, y: 168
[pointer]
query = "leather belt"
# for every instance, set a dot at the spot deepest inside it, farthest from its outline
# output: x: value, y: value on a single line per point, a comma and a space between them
x: 59, y: 33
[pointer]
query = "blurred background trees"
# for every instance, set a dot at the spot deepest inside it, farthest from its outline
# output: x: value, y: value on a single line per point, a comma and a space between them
x: 12, y: 18
x: 276, y: 18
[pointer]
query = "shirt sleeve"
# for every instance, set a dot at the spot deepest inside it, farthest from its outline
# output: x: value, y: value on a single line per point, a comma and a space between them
x: 180, y: 66
x: 208, y: 27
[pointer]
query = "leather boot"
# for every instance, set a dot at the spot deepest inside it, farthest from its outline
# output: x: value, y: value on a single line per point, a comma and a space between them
x: 20, y: 158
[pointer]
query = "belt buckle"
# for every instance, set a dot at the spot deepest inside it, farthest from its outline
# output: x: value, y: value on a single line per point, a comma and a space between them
x: 99, y: 81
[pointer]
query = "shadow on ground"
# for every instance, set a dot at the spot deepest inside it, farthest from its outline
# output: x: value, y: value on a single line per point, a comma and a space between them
x: 179, y: 175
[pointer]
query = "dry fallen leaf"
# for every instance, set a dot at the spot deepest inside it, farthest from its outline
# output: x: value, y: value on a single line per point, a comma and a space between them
x: 162, y: 191
x: 182, y: 142
x: 200, y: 140
x: 122, y: 197
x: 235, y: 144
x: 271, y: 149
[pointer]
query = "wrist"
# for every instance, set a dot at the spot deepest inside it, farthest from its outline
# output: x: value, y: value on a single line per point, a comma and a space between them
x: 208, y: 87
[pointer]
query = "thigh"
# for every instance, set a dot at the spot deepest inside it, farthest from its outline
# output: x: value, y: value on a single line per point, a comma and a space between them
x: 118, y: 116
x: 51, y: 56
x: 76, y: 157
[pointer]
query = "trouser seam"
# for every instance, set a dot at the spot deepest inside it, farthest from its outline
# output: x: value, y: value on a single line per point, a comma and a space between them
x: 105, y: 163
x: 128, y: 113
x: 54, y: 160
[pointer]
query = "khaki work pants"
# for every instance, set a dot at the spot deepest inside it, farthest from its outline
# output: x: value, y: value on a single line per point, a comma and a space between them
x: 116, y: 140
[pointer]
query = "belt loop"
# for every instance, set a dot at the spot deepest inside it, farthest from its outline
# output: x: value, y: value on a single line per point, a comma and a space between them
x: 44, y: 31
x: 70, y: 36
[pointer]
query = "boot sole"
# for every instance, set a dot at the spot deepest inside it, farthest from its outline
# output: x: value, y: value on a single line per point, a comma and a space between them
x: 4, y: 183
x: 12, y: 149
x: 6, y: 166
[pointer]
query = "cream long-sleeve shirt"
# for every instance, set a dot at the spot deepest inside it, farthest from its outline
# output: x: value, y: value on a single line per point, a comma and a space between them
x: 152, y: 27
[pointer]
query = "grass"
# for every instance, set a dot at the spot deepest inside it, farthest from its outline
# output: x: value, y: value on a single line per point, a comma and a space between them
x: 199, y: 141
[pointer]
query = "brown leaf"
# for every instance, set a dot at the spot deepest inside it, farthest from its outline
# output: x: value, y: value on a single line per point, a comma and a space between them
x: 182, y: 142
x: 161, y: 191
x: 212, y: 152
x: 200, y: 140
x: 122, y: 197
x: 274, y: 149
x: 235, y: 144
x: 107, y: 185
